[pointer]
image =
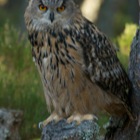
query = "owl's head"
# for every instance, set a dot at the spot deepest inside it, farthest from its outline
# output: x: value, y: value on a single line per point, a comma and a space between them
x: 42, y: 14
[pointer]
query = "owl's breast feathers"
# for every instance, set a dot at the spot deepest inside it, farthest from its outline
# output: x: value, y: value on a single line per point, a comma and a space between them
x: 78, y: 52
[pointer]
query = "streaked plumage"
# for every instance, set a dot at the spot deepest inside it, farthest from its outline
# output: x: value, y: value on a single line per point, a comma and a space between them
x: 77, y: 63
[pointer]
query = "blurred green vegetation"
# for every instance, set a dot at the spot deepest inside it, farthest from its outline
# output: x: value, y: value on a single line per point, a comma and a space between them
x: 20, y: 86
x: 124, y: 42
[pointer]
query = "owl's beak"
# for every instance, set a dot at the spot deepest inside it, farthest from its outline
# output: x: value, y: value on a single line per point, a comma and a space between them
x: 52, y: 16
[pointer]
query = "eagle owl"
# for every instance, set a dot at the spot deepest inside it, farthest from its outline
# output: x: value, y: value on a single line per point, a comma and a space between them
x: 77, y: 63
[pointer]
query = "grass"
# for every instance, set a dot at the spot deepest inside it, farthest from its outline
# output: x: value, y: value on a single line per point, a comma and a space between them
x: 20, y: 86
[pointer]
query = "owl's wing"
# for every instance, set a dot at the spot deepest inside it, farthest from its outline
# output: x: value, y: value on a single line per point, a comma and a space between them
x: 101, y: 63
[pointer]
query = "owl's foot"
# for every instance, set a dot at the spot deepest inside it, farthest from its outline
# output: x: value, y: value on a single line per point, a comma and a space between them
x: 53, y: 117
x: 79, y: 118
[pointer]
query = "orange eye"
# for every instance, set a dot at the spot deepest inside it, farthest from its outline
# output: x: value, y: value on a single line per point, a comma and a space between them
x: 61, y: 9
x: 42, y: 7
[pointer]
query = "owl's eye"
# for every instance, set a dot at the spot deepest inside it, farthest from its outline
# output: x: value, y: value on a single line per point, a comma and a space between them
x: 43, y: 8
x: 61, y: 9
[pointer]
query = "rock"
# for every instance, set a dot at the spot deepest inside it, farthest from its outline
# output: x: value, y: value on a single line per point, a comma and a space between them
x: 10, y: 121
x: 87, y: 130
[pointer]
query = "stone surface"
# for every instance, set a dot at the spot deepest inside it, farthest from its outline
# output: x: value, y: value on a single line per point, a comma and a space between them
x: 10, y: 121
x: 87, y: 130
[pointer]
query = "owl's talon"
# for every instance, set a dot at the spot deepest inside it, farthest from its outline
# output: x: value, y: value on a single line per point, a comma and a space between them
x: 53, y: 117
x: 75, y: 118
x: 78, y: 118
x: 40, y: 125
x: 90, y: 117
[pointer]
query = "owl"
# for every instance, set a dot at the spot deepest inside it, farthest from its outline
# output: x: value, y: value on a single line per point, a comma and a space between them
x: 77, y: 63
